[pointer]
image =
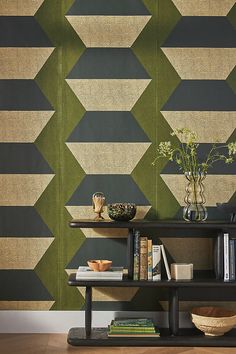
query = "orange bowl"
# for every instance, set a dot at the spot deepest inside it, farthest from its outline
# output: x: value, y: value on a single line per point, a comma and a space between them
x: 99, y: 265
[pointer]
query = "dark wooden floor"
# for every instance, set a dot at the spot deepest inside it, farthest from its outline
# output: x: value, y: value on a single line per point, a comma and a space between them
x: 56, y: 344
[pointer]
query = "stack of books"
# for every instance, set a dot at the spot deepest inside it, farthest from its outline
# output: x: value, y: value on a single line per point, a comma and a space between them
x: 132, y: 327
x: 147, y: 259
x: 85, y: 273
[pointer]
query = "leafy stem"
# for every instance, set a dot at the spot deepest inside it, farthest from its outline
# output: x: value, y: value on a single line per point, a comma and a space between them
x: 186, y: 155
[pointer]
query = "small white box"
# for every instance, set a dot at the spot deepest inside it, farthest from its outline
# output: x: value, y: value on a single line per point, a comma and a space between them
x: 182, y: 271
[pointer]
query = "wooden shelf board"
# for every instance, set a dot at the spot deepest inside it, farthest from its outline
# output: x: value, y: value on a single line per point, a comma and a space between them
x: 165, y: 224
x: 197, y: 282
x: 189, y: 337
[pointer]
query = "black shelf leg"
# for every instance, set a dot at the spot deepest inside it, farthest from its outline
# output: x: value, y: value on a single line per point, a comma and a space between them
x: 88, y: 310
x: 174, y: 311
x: 130, y: 253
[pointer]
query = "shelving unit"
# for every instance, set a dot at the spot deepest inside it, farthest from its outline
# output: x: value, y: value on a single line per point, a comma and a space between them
x: 174, y: 336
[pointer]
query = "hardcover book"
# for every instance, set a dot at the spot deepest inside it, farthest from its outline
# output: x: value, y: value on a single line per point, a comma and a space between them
x: 231, y: 260
x: 143, y: 273
x: 219, y: 257
x: 136, y: 255
x: 149, y: 259
x: 165, y: 262
x: 133, y: 330
x: 115, y: 273
x: 134, y: 322
x: 226, y: 256
x: 156, y: 262
x: 156, y: 334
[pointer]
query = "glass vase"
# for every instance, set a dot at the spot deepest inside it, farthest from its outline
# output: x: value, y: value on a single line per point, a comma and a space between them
x: 195, y: 199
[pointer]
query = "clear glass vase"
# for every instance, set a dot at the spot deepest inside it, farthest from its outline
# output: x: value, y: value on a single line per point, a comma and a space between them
x: 195, y: 199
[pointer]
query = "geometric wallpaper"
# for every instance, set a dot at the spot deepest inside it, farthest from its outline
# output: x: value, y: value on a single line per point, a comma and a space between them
x: 87, y: 90
x: 24, y: 172
x: 202, y: 49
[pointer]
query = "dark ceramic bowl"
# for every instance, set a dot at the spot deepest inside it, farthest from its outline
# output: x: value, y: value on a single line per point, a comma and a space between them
x: 229, y: 209
x: 121, y: 211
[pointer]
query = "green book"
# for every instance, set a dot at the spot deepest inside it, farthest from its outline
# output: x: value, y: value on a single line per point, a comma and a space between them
x: 135, y: 329
x: 132, y: 333
x: 136, y: 335
x: 132, y: 322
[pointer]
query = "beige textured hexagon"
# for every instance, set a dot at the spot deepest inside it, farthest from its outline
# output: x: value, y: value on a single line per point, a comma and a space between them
x: 202, y: 63
x: 22, y: 126
x: 187, y: 306
x: 108, y: 293
x: 111, y: 158
x: 108, y: 94
x: 22, y: 63
x: 22, y: 189
x: 108, y: 31
x: 26, y: 305
x: 210, y: 126
x: 111, y: 294
x: 198, y: 251
x: 218, y: 188
x: 204, y: 7
x: 22, y: 253
x: 86, y: 212
x: 19, y: 7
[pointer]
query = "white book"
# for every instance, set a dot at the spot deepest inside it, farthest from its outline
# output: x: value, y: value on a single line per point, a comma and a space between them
x: 165, y: 262
x: 156, y: 262
x: 84, y: 272
x: 226, y: 256
x: 150, y: 260
x: 98, y: 279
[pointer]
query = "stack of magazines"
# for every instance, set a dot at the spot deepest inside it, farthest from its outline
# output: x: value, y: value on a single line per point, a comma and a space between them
x: 132, y: 327
x: 85, y: 273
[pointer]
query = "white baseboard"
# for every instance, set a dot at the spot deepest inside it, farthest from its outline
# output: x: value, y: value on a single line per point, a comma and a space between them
x: 62, y: 321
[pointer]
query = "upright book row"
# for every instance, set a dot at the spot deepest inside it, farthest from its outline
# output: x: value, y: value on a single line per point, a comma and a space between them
x: 147, y: 259
x: 229, y: 257
x: 225, y: 257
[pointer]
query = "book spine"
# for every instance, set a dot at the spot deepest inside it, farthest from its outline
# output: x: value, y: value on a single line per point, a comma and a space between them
x: 231, y: 260
x: 226, y: 256
x: 156, y: 262
x: 143, y: 273
x: 136, y: 255
x: 130, y: 328
x: 138, y: 322
x: 157, y: 334
x: 165, y: 262
x: 149, y: 259
x: 132, y: 332
x: 219, y: 257
x: 130, y: 253
x: 78, y: 277
x: 235, y: 257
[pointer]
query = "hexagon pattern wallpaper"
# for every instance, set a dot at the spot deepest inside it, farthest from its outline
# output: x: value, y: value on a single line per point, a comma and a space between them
x: 87, y: 90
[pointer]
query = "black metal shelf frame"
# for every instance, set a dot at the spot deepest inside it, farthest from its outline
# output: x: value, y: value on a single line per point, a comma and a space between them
x: 92, y: 337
